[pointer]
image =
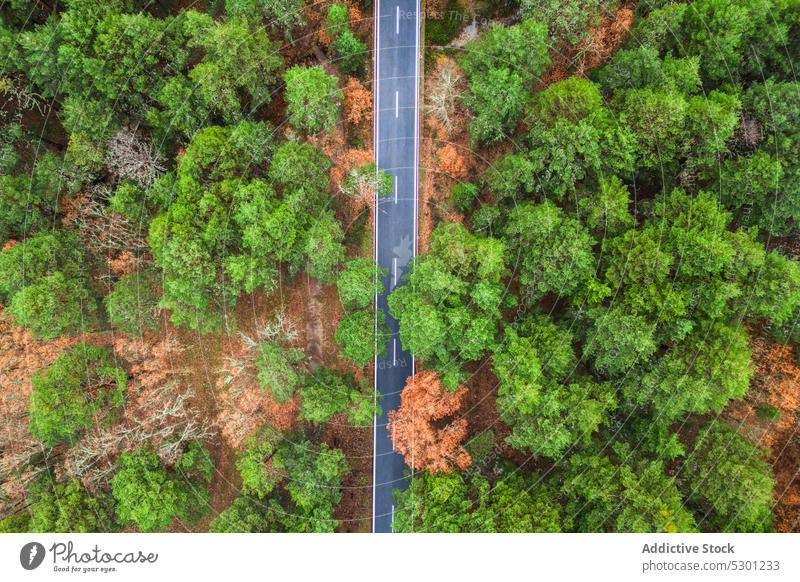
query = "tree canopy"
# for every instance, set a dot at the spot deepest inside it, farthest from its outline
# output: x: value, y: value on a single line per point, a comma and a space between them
x: 79, y: 389
x: 450, y: 307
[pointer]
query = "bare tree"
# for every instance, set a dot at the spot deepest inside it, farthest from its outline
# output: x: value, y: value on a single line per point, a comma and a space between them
x: 445, y: 88
x: 131, y: 158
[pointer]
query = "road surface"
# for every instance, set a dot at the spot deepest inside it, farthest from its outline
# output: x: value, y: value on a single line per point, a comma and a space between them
x: 397, y: 55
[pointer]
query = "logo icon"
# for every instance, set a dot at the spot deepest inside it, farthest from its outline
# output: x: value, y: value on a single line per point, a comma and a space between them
x: 31, y: 555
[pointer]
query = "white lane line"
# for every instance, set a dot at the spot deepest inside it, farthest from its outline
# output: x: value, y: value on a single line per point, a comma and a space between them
x: 376, y: 133
x: 397, y: 28
x: 392, y: 516
x: 418, y: 56
x: 394, y: 267
x: 394, y: 351
x: 397, y: 103
x: 395, y: 189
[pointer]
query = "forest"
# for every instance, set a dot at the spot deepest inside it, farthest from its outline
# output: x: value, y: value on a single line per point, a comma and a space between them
x: 604, y: 310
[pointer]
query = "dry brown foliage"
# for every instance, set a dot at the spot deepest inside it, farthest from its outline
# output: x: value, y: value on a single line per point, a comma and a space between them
x: 20, y: 357
x: 357, y: 102
x: 445, y: 146
x: 159, y: 411
x: 601, y: 43
x: 107, y: 234
x: 423, y: 428
x: 451, y: 163
x: 244, y: 405
x: 434, y: 8
x: 356, y: 200
x: 441, y: 97
x: 776, y: 382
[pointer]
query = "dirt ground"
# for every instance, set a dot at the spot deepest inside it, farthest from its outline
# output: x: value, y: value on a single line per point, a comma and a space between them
x: 776, y: 383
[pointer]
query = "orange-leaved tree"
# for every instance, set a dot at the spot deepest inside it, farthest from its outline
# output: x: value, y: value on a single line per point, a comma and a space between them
x: 427, y: 429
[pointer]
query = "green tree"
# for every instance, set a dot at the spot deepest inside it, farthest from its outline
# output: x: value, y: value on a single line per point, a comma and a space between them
x: 42, y: 279
x: 548, y: 410
x: 521, y: 48
x: 238, y: 59
x: 324, y: 247
x: 567, y: 21
x: 68, y: 507
x: 15, y: 523
x: 248, y: 515
x: 464, y: 196
x: 360, y: 282
x: 298, y: 166
x: 572, y: 99
x: 29, y: 198
x: 513, y: 177
x: 356, y: 335
x: 450, y: 309
x: 730, y: 481
x: 565, y: 153
x: 434, y: 502
x: 73, y: 391
x: 313, y: 481
x: 328, y: 392
x: 642, y: 67
x: 501, y: 65
x: 278, y: 369
x: 325, y: 393
x: 351, y: 53
x: 516, y: 505
x: 698, y: 375
x: 280, y: 14
x: 776, y: 104
x: 252, y: 463
x: 617, y: 341
x: 710, y: 122
x: 311, y: 475
x: 553, y: 252
x: 620, y: 492
x: 732, y: 38
x: 313, y: 98
x: 683, y: 265
x: 226, y: 229
x: 604, y: 208
x: 775, y: 293
x: 455, y: 503
x: 497, y: 99
x: 763, y: 190
x: 53, y: 305
x: 129, y: 200
x: 181, y: 108
x: 657, y: 119
x: 151, y: 496
x: 657, y: 29
x: 337, y: 19
x: 190, y: 238
x: 133, y: 303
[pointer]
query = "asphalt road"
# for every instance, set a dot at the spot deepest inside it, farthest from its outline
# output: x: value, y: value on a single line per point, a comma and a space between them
x: 397, y: 54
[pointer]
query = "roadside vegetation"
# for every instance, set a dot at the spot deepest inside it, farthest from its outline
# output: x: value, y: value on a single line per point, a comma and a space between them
x: 164, y: 169
x: 611, y: 226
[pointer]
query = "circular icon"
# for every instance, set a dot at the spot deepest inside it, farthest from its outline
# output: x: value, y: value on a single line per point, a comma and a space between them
x: 31, y: 555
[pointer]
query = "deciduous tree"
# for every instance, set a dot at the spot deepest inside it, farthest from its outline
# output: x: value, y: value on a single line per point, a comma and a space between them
x: 427, y: 428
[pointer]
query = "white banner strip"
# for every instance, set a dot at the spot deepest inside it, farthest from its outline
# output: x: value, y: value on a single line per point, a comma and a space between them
x: 350, y: 558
